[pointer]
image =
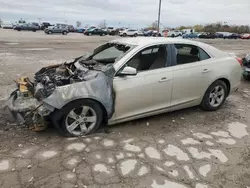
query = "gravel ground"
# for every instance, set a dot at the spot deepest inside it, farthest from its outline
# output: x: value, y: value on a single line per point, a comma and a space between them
x: 184, y: 149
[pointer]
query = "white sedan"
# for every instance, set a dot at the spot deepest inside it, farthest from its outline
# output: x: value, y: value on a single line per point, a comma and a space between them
x: 128, y: 79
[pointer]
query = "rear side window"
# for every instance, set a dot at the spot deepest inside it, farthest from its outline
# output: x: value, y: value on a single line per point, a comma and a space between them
x: 203, y: 55
x: 189, y: 54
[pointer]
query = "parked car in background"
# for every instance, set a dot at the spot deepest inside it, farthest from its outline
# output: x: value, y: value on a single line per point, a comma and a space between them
x: 36, y: 24
x: 174, y: 33
x: 56, y: 29
x: 219, y: 35
x: 111, y: 30
x: 207, y: 36
x: 95, y: 31
x: 130, y: 78
x: 246, y: 67
x: 190, y: 36
x: 232, y: 36
x: 7, y: 25
x: 45, y: 25
x: 129, y: 32
x: 71, y: 28
x: 245, y: 36
x: 80, y: 30
x: 26, y: 27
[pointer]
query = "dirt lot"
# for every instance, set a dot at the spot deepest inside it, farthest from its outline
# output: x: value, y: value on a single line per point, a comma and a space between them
x: 187, y: 148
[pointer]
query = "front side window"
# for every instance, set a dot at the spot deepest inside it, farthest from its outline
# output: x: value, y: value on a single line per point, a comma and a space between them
x: 189, y: 54
x: 151, y: 58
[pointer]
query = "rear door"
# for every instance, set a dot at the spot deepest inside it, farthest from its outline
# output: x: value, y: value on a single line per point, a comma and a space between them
x: 192, y: 72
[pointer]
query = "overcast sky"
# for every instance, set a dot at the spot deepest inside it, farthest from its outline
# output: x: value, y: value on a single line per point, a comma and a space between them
x: 136, y: 13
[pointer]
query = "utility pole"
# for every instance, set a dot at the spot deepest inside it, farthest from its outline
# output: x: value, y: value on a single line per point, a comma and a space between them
x: 159, y: 17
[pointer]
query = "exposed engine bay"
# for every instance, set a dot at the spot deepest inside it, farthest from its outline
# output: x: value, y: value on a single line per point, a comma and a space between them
x: 48, y: 78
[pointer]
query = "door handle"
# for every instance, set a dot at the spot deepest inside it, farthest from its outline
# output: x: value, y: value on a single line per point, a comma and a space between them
x: 164, y: 79
x: 205, y: 70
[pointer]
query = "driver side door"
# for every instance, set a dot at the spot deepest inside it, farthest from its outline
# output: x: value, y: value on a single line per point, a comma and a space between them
x: 146, y: 93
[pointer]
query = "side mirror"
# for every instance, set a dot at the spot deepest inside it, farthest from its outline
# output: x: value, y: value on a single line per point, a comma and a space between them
x: 128, y: 71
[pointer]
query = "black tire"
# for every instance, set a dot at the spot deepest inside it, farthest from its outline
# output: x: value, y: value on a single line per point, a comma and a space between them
x: 135, y: 35
x: 172, y: 35
x: 34, y: 30
x: 49, y: 32
x: 124, y: 35
x: 205, y: 104
x: 77, y: 104
x: 64, y: 32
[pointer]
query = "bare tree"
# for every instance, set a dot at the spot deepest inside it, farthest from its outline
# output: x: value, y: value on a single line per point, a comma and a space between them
x: 78, y: 24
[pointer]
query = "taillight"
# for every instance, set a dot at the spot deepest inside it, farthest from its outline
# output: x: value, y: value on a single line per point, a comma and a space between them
x: 240, y: 61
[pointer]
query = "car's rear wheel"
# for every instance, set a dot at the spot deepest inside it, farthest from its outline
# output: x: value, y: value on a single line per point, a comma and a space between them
x: 215, y: 96
x: 64, y: 33
x: 34, y: 30
x: 135, y: 35
x: 124, y: 35
x: 50, y: 32
x: 89, y: 34
x: 81, y: 117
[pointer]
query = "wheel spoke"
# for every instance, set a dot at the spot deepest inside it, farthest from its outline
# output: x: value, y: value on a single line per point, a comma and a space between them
x: 220, y: 93
x: 216, y: 89
x: 212, y: 101
x: 84, y: 128
x: 72, y: 115
x: 91, y: 119
x: 85, y: 110
x: 73, y: 126
x: 218, y: 99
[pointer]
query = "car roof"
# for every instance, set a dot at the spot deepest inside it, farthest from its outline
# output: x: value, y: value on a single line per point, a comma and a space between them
x: 143, y: 41
x: 146, y: 41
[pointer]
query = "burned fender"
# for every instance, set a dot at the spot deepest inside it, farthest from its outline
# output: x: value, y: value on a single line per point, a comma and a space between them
x: 100, y: 89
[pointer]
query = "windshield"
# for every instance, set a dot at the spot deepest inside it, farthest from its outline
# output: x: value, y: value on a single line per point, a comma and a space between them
x: 110, y: 52
x: 106, y: 55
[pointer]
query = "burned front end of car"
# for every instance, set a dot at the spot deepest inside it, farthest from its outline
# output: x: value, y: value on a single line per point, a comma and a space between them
x: 34, y: 102
x: 25, y: 108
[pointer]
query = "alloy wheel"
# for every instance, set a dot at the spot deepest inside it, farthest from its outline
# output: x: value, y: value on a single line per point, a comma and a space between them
x: 80, y: 121
x: 217, y: 96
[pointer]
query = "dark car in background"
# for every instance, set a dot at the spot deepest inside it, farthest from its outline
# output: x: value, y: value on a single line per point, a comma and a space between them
x: 207, y: 36
x: 36, y: 24
x: 26, y: 27
x: 219, y: 35
x: 232, y: 36
x: 45, y: 25
x: 95, y: 31
x: 57, y: 29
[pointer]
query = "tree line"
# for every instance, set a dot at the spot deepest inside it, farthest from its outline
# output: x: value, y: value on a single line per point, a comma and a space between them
x: 218, y: 27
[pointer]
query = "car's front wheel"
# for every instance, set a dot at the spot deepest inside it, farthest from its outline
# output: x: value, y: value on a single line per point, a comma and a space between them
x: 81, y: 117
x: 215, y: 96
x: 64, y: 33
